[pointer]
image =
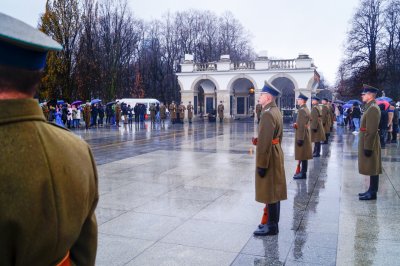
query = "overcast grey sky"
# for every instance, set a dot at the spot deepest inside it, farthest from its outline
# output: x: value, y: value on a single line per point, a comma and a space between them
x: 284, y: 28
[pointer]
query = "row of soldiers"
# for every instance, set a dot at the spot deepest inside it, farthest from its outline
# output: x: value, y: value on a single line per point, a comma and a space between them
x: 314, y: 126
x: 177, y: 112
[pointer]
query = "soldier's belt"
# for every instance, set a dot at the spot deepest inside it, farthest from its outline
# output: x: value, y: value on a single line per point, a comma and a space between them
x: 275, y: 141
x: 65, y: 261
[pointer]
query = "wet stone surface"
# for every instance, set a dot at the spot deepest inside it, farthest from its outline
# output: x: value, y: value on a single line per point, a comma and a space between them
x: 184, y: 195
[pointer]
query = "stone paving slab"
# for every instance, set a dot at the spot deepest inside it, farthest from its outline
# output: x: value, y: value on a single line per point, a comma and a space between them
x: 184, y: 195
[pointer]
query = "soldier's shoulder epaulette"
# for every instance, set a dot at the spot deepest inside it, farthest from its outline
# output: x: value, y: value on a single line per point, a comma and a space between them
x: 58, y: 126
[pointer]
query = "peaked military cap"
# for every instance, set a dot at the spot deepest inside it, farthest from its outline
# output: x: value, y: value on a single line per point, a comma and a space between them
x: 269, y: 88
x: 368, y: 88
x: 22, y: 46
x: 302, y: 96
x: 315, y: 98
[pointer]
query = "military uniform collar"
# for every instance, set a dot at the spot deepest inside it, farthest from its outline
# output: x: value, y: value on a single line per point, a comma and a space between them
x: 368, y: 105
x: 268, y: 106
x: 17, y: 110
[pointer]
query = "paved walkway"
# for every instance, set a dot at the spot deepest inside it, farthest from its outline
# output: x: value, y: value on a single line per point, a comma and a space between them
x: 184, y: 195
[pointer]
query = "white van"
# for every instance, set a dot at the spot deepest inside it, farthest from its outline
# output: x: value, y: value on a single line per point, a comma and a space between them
x: 133, y: 101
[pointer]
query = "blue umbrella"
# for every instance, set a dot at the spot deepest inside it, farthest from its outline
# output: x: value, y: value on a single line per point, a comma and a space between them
x: 60, y: 101
x: 386, y: 99
x: 353, y: 101
x: 347, y: 105
x: 95, y: 101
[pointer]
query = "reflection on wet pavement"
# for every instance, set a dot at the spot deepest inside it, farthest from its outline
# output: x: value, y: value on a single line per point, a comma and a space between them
x: 184, y: 195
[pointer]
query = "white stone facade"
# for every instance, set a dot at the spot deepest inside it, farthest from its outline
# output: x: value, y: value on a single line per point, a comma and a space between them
x: 221, y: 79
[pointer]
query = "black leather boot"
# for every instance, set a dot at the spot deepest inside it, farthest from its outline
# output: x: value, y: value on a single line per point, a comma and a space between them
x: 271, y: 228
x: 373, y: 189
x: 303, y: 173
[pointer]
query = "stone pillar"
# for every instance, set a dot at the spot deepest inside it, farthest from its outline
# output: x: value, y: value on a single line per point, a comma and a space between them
x: 224, y: 96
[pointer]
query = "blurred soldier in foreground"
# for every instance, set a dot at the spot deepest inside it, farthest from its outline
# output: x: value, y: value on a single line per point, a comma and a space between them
x: 270, y: 172
x: 48, y: 176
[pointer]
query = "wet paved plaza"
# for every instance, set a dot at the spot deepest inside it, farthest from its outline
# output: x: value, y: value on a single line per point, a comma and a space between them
x: 184, y: 195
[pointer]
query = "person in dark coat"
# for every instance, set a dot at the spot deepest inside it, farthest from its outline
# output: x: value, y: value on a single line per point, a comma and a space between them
x: 94, y: 113
x: 356, y: 115
x: 64, y: 113
x: 101, y: 114
x: 383, y: 125
x: 395, y: 129
x: 136, y: 110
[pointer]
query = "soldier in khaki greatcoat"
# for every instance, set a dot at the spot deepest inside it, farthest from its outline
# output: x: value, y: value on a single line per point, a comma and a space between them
x: 87, y: 114
x: 317, y: 129
x: 117, y: 113
x: 221, y: 111
x: 182, y: 109
x: 302, y: 145
x: 190, y: 112
x: 163, y: 113
x: 172, y: 112
x: 270, y: 173
x: 48, y: 176
x: 326, y: 119
x: 152, y: 110
x: 369, y: 147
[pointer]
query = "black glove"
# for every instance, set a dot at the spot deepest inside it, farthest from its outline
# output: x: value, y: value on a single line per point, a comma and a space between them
x: 261, y: 171
x: 315, y: 130
x: 300, y: 142
x: 368, y: 153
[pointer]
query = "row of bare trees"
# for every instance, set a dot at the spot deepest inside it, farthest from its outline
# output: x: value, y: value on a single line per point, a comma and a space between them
x: 372, y: 49
x: 109, y: 53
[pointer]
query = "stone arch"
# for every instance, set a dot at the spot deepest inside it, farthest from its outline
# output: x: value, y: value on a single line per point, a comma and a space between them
x: 204, y: 77
x: 242, y: 76
x: 310, y: 84
x: 284, y: 75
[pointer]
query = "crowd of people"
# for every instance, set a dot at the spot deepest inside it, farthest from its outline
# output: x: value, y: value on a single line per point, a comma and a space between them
x: 388, y: 124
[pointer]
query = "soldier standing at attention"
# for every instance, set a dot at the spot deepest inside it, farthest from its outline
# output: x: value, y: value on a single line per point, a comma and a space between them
x: 258, y: 111
x: 302, y: 146
x: 369, y: 147
x: 172, y: 111
x: 47, y: 206
x: 317, y: 130
x: 182, y: 109
x: 163, y: 113
x: 117, y: 113
x: 190, y: 112
x: 326, y: 118
x: 270, y: 173
x: 87, y: 114
x: 221, y: 112
x: 152, y: 113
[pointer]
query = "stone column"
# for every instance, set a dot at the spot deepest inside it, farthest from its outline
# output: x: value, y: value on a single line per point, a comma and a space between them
x: 224, y: 96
